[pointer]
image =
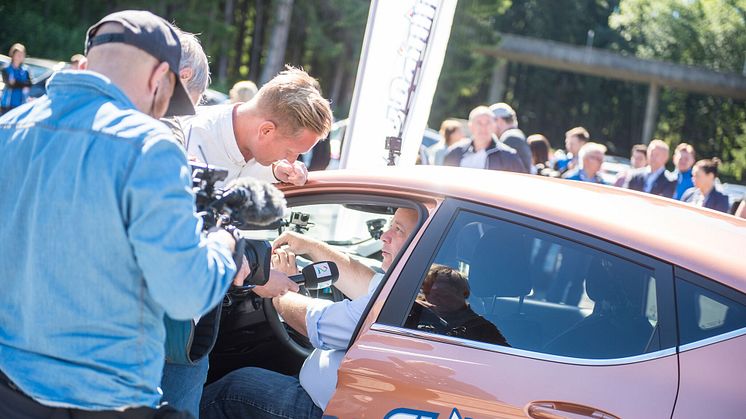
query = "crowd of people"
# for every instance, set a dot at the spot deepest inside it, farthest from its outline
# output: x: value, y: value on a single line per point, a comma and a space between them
x: 101, y: 160
x: 496, y: 143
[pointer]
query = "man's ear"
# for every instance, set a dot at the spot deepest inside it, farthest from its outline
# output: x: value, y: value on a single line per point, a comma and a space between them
x: 266, y: 129
x: 156, y: 76
x: 186, y: 73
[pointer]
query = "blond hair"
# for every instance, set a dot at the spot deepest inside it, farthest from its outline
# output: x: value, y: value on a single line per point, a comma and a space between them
x: 294, y: 103
x: 242, y: 91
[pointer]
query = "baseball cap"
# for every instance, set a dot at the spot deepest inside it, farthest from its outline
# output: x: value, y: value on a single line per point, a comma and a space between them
x: 152, y: 34
x: 502, y: 110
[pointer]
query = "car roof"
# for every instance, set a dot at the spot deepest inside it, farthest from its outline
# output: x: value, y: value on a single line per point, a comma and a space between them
x: 701, y: 240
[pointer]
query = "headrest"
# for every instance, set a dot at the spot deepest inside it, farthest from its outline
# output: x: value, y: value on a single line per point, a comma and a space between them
x: 500, y: 265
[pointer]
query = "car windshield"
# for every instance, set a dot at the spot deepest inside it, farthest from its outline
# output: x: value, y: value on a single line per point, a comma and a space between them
x: 353, y: 229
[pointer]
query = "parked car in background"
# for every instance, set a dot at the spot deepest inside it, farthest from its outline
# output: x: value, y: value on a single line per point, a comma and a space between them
x: 336, y: 138
x: 213, y: 97
x: 40, y: 70
x: 612, y: 303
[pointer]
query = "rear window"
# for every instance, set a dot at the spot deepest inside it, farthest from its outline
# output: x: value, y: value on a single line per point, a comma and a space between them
x: 704, y: 313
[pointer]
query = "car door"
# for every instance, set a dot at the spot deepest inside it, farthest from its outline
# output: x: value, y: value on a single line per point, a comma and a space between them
x: 499, y: 315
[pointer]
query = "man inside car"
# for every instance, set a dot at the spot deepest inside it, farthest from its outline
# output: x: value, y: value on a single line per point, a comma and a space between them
x: 256, y: 392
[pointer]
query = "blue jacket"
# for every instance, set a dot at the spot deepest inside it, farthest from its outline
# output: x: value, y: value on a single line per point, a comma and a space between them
x: 99, y: 239
x: 715, y: 200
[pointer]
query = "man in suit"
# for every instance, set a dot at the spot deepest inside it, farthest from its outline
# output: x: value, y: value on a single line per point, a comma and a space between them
x: 654, y: 178
x: 506, y: 129
x: 484, y: 150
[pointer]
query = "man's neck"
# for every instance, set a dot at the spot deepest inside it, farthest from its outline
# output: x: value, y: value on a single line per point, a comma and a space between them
x: 481, y: 144
x: 242, y: 125
x: 706, y: 191
x: 655, y: 169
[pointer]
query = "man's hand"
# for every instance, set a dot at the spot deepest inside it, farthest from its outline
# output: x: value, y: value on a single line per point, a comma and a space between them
x: 295, y: 173
x: 242, y: 273
x: 284, y: 261
x: 278, y: 284
x: 296, y: 243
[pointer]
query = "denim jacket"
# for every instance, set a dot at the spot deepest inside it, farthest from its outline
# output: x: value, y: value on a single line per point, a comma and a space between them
x: 99, y: 238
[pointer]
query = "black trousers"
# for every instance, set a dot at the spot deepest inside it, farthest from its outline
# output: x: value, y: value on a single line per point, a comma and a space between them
x: 14, y: 404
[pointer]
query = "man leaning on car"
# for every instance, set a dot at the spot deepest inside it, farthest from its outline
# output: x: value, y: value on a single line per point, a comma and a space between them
x: 97, y: 201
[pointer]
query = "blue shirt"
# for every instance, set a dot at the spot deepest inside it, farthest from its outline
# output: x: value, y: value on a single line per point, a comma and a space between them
x: 330, y: 327
x: 684, y: 182
x: 100, y: 238
x: 579, y: 174
x: 17, y: 80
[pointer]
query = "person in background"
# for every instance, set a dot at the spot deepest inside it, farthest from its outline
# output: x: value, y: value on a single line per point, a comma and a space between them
x: 637, y: 160
x: 704, y: 193
x: 540, y: 151
x: 483, y: 150
x: 242, y: 91
x: 78, y: 62
x: 683, y: 159
x: 654, y: 178
x: 591, y: 157
x: 575, y: 139
x: 17, y: 80
x: 506, y: 129
x: 451, y: 133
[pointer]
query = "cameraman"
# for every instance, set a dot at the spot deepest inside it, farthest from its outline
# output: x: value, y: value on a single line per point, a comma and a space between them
x: 263, y: 137
x: 182, y: 380
x: 97, y: 201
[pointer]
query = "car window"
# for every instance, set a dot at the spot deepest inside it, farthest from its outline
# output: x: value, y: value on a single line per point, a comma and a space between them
x: 703, y: 313
x: 497, y: 282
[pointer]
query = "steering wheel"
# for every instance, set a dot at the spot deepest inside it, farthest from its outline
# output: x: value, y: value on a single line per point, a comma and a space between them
x: 281, y: 331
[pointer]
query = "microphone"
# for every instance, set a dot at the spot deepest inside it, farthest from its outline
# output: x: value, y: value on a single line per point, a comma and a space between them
x: 253, y: 202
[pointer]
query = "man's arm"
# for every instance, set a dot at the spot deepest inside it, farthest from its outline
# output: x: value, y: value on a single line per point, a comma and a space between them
x: 186, y: 272
x: 354, y: 277
x: 328, y: 325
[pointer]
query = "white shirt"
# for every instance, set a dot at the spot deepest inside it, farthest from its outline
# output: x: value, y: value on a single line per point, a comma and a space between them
x: 330, y: 328
x: 475, y: 159
x: 209, y: 137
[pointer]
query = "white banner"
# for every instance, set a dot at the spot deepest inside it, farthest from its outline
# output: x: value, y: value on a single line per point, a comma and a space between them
x: 404, y: 46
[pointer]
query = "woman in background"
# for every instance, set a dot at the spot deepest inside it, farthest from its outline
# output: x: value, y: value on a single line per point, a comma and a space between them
x: 17, y: 80
x: 704, y: 193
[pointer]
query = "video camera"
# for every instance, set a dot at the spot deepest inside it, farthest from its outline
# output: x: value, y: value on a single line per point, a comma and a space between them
x: 244, y: 203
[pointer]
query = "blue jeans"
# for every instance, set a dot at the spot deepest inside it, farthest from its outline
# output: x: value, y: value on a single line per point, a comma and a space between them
x: 257, y: 393
x: 182, y: 385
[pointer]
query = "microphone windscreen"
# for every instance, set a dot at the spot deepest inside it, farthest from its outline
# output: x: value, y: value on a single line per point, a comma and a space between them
x: 254, y: 201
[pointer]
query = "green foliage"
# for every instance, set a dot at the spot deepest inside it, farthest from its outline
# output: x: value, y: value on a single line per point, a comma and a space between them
x: 707, y: 33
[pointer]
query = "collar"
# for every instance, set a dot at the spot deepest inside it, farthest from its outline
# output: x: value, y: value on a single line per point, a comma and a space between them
x: 490, y: 146
x: 65, y: 81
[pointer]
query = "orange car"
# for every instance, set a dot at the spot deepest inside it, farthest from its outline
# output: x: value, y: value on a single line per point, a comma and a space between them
x: 522, y: 296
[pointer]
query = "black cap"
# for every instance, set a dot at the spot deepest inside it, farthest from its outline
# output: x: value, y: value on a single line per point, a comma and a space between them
x: 153, y: 35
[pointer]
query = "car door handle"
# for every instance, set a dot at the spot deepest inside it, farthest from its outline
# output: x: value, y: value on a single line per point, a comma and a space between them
x: 564, y: 410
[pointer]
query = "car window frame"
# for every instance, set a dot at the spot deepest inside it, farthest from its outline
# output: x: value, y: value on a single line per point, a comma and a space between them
x: 367, y: 198
x: 396, y: 307
x: 708, y: 284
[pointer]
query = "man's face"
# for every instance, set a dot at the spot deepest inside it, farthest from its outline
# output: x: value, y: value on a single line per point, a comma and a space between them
x: 573, y: 144
x: 500, y: 126
x: 482, y: 127
x: 683, y: 160
x: 275, y: 146
x: 592, y: 162
x: 638, y: 159
x: 657, y: 157
x: 403, y: 223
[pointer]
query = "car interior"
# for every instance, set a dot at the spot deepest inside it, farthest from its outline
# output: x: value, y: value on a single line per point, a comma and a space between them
x: 550, y: 295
